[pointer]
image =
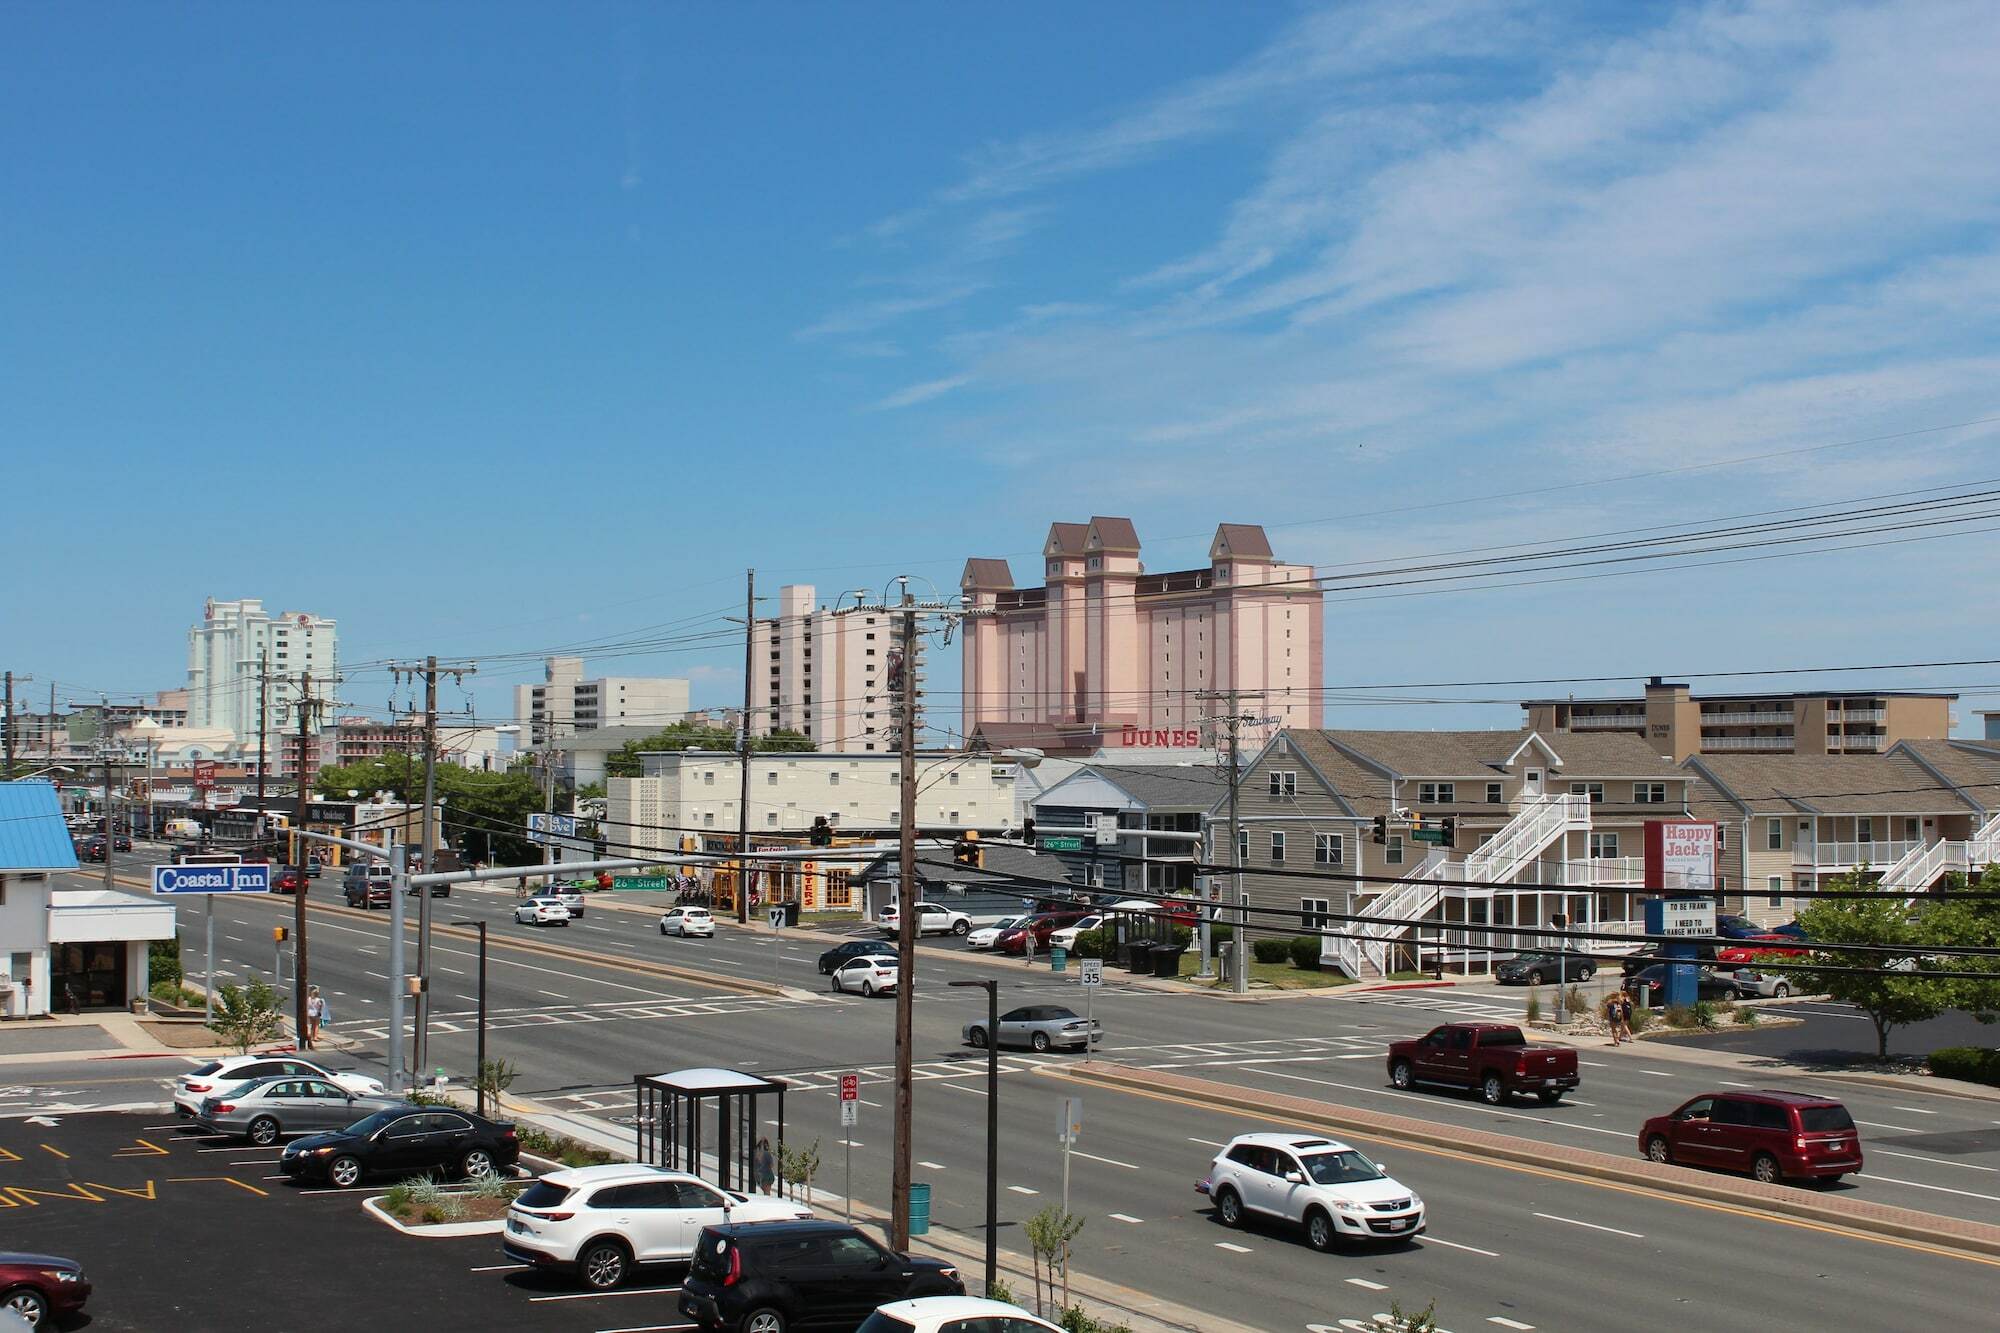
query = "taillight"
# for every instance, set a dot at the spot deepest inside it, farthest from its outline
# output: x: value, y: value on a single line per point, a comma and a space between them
x: 735, y: 1273
x: 553, y: 1217
x: 224, y: 1108
x: 1521, y: 1063
x: 201, y: 1087
x: 507, y: 1134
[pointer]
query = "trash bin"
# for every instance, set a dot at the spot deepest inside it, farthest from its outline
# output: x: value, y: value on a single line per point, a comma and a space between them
x: 920, y: 1208
x: 1166, y: 960
x: 791, y: 914
x: 1138, y: 956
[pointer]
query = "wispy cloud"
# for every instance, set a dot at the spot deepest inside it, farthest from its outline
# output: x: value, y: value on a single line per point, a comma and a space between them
x: 868, y: 316
x: 923, y: 393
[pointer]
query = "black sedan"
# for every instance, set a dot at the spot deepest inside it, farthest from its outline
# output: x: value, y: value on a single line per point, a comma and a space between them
x: 1535, y: 969
x: 405, y: 1141
x: 1648, y: 986
x: 840, y: 953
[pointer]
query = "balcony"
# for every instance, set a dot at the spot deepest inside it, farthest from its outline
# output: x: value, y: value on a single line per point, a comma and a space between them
x: 1855, y: 714
x: 1722, y: 718
x: 1774, y: 744
x: 1880, y: 853
x: 1863, y: 744
x: 1607, y: 721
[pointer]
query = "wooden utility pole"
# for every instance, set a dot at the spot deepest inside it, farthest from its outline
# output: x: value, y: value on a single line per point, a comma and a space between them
x: 743, y: 746
x: 300, y: 967
x: 263, y: 728
x: 907, y: 898
x: 8, y: 718
x: 426, y: 851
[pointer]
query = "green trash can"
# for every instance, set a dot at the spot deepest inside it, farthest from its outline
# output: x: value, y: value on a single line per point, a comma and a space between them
x: 920, y: 1208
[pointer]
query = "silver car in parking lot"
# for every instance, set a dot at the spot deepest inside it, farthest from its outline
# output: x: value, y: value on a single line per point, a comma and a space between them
x: 265, y: 1110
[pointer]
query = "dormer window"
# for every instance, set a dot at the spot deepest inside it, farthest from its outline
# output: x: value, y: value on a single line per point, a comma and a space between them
x: 1222, y: 573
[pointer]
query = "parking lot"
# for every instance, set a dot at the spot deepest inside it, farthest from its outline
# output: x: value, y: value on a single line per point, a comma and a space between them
x: 178, y: 1230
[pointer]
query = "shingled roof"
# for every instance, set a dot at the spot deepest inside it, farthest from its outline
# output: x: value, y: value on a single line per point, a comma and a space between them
x: 1115, y: 535
x: 1066, y: 538
x: 1829, y: 784
x: 981, y: 572
x: 1166, y: 786
x: 1240, y: 541
x: 1482, y: 754
x: 1971, y: 767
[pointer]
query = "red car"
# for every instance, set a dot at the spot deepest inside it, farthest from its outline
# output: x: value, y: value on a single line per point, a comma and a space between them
x: 1774, y: 1136
x: 290, y: 880
x: 41, y: 1288
x: 1041, y: 927
x: 1747, y: 949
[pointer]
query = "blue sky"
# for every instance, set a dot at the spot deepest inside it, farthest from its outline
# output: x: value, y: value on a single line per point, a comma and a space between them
x: 489, y: 329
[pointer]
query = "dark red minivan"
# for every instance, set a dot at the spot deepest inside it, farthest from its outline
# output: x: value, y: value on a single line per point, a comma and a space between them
x: 1774, y: 1136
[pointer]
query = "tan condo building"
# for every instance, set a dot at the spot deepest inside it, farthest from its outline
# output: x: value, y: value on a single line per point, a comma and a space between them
x: 1104, y: 643
x: 1681, y: 723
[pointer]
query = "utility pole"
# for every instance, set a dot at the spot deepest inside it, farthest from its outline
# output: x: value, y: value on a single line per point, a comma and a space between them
x: 1239, y: 970
x: 427, y: 846
x: 300, y: 969
x: 907, y: 897
x: 263, y: 726
x: 8, y: 718
x: 110, y: 841
x: 743, y: 751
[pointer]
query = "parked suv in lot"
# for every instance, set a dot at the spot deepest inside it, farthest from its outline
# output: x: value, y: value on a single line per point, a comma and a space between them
x: 1321, y: 1184
x: 766, y: 1277
x: 601, y: 1222
x: 1772, y: 1135
x: 932, y: 919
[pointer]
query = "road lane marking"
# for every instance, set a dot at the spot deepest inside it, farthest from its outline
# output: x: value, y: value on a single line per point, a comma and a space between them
x: 1656, y: 1073
x: 1593, y: 1064
x: 1941, y: 1189
x: 1106, y: 1160
x: 1233, y: 1249
x: 1211, y: 1143
x: 1454, y: 1245
x: 929, y: 1166
x: 558, y: 994
x: 381, y: 976
x: 1616, y: 1231
x: 1507, y: 1323
x: 1874, y: 1151
x: 1365, y: 1283
x: 1022, y: 1189
x: 1914, y: 1110
x: 598, y: 1295
x: 1124, y: 1217
x: 1732, y: 1083
x: 1875, y: 1124
x: 495, y: 1268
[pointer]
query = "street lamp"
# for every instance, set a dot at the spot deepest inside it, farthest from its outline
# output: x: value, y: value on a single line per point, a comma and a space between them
x: 479, y: 1065
x: 992, y: 988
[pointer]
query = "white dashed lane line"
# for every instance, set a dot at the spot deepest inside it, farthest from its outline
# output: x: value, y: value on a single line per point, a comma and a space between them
x: 1366, y: 1284
x: 1571, y: 1221
x: 1232, y: 1248
x: 1125, y: 1217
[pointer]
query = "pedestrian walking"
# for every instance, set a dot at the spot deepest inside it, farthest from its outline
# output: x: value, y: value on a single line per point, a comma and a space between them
x: 1618, y: 1016
x: 315, y: 1014
x: 765, y: 1165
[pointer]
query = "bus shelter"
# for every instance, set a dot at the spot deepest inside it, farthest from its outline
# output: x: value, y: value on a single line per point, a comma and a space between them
x: 696, y: 1113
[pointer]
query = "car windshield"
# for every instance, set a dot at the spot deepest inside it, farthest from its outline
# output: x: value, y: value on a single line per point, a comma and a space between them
x: 371, y: 1124
x: 1340, y: 1168
x: 1821, y: 1119
x: 203, y: 1069
x: 542, y: 1194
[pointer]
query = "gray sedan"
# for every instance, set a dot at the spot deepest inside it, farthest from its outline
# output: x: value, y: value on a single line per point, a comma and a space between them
x: 266, y: 1109
x: 1040, y: 1026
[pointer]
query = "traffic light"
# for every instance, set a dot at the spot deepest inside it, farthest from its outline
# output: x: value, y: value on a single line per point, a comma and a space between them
x: 967, y: 852
x: 822, y: 833
x: 1381, y: 829
x: 604, y: 879
x: 279, y: 934
x: 1416, y: 826
x: 1450, y: 825
x: 1027, y: 830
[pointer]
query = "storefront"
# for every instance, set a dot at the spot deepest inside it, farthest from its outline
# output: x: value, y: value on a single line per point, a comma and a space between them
x: 91, y: 976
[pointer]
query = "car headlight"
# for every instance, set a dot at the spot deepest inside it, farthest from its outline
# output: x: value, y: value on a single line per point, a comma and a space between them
x: 1416, y: 1201
x: 62, y: 1275
x: 1342, y: 1206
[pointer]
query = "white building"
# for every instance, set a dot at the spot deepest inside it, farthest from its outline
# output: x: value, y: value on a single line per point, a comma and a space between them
x: 696, y: 792
x: 233, y: 644
x: 824, y: 672
x: 565, y: 704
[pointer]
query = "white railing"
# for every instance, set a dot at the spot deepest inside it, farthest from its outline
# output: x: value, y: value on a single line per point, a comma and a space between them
x: 1413, y: 896
x: 1983, y: 849
x: 1719, y: 718
x: 1855, y: 714
x: 1605, y: 721
x: 1746, y: 742
x: 1869, y: 743
x: 1881, y: 852
x: 1526, y: 836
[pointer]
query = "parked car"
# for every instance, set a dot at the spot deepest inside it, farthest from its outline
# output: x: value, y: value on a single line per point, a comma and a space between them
x: 765, y: 1277
x: 1545, y: 968
x: 602, y: 1222
x: 1647, y: 986
x: 1768, y: 985
x: 1494, y: 1060
x: 983, y: 937
x: 954, y: 1314
x: 41, y: 1288
x: 366, y: 885
x: 1633, y: 964
x: 1791, y: 930
x: 1751, y: 947
x: 1065, y: 936
x: 1039, y: 927
x: 932, y: 919
x: 1040, y: 1026
x: 541, y: 911
x: 213, y: 1076
x: 870, y: 973
x: 1773, y: 1136
x: 1180, y: 911
x: 845, y: 950
x: 1732, y: 927
x: 569, y: 895
x: 1331, y: 1190
x: 406, y: 1140
x: 685, y: 921
x: 267, y: 1109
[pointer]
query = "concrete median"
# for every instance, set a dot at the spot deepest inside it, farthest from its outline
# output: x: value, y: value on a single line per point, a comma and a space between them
x: 1735, y: 1192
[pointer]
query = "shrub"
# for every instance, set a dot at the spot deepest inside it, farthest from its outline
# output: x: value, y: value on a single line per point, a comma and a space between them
x: 163, y: 962
x: 1974, y: 1064
x: 1703, y: 1015
x: 1074, y: 1320
x: 1267, y: 950
x: 1099, y: 943
x: 176, y: 994
x: 1677, y: 1016
x: 1181, y: 937
x: 1642, y: 1018
x: 1221, y: 934
x: 1746, y: 1018
x: 1305, y: 952
x: 247, y: 1015
x: 1578, y: 1003
x: 998, y: 1290
x: 397, y: 1200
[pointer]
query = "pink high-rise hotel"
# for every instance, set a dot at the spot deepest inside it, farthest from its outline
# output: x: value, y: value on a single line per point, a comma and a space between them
x: 1106, y: 644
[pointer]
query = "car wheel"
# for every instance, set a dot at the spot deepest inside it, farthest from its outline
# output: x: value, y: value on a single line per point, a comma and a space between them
x: 27, y: 1303
x: 478, y: 1165
x: 1492, y: 1091
x: 1228, y: 1207
x: 978, y: 1038
x: 1401, y: 1075
x: 1319, y: 1230
x: 1534, y: 978
x: 1586, y: 974
x: 1765, y: 1168
x: 263, y: 1131
x: 765, y: 1320
x: 1658, y: 1151
x: 1040, y: 1041
x: 343, y: 1173
x: 867, y: 990
x: 663, y: 927
x: 961, y: 927
x: 603, y: 1264
x: 836, y: 982
x: 1549, y: 1096
x: 1781, y: 990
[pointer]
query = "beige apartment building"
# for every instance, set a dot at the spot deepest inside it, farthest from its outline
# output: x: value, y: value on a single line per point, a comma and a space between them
x: 697, y: 791
x: 1680, y: 723
x: 824, y: 672
x: 565, y: 704
x: 1543, y: 825
x: 1105, y: 642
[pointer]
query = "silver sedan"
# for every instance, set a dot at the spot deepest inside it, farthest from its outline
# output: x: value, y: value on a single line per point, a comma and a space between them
x: 1039, y: 1026
x: 268, y: 1109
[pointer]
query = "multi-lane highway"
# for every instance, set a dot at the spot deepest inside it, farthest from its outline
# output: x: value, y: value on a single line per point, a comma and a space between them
x: 579, y: 1027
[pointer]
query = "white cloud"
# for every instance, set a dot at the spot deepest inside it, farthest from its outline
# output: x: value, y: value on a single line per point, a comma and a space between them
x: 923, y: 393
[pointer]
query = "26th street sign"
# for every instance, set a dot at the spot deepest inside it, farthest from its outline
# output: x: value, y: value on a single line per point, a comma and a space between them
x: 255, y: 878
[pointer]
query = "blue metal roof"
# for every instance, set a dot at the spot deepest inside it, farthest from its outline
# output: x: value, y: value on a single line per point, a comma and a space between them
x: 33, y: 835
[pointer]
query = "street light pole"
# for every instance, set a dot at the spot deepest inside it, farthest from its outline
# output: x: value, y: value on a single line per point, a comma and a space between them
x: 992, y: 989
x: 479, y: 1058
x: 906, y: 927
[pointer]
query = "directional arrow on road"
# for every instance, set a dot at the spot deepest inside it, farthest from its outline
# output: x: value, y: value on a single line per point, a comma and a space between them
x: 48, y: 1120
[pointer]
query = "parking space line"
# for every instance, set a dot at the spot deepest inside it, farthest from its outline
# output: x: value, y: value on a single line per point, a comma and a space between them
x: 646, y: 1328
x: 1231, y: 1247
x: 495, y: 1268
x: 1125, y: 1217
x: 1022, y: 1189
x: 1365, y: 1283
x: 1507, y: 1323
x: 600, y: 1295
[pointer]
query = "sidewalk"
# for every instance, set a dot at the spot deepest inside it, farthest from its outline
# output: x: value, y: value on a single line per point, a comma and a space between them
x: 114, y: 1035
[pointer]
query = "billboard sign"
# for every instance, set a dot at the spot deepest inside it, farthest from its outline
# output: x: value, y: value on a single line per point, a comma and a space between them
x: 212, y: 878
x: 1681, y: 856
x: 1687, y: 917
x: 204, y: 775
x: 544, y: 828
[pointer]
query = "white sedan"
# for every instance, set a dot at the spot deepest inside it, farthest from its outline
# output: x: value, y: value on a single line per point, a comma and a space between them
x: 205, y: 1080
x: 984, y: 937
x: 1066, y: 937
x: 686, y: 921
x: 871, y: 974
x: 948, y: 1314
x: 542, y: 912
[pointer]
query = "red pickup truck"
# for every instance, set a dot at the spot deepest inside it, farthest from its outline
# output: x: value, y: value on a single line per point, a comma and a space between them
x: 1494, y: 1060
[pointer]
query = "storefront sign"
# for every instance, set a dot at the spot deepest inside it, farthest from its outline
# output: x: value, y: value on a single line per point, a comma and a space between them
x: 1680, y: 855
x: 1160, y: 738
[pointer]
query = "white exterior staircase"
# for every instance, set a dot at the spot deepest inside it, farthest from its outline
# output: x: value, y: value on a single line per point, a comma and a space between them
x: 1923, y: 864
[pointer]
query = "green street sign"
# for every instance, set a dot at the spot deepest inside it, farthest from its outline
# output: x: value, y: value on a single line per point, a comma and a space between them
x: 1435, y: 835
x: 1062, y: 844
x: 638, y: 882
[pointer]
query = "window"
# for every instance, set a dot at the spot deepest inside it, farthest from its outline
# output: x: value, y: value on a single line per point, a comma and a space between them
x: 1329, y: 849
x: 1493, y: 796
x: 1436, y: 793
x: 1910, y: 832
x: 1594, y: 790
x: 1243, y: 846
x: 951, y: 778
x: 1603, y: 845
x: 1775, y: 888
x: 1277, y: 847
x: 1315, y: 913
x: 1864, y: 830
x: 1395, y: 849
x: 771, y: 779
x: 1722, y: 837
x: 1774, y: 834
x: 1284, y: 784
x: 833, y: 779
x: 1648, y: 793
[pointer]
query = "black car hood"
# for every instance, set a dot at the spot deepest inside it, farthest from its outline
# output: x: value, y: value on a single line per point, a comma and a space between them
x: 330, y: 1139
x: 41, y: 1261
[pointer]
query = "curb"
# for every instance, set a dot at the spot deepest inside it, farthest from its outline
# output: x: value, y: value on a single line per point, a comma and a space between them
x: 1929, y: 1083
x: 1401, y: 985
x: 1868, y: 1220
x: 433, y: 1230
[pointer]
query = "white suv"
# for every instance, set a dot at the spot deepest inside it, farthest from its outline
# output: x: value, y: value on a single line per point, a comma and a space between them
x: 932, y: 919
x: 601, y: 1222
x: 1325, y: 1186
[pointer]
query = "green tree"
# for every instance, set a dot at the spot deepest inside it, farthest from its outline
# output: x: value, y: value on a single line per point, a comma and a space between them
x: 798, y: 1166
x: 1049, y: 1233
x: 625, y: 762
x: 485, y: 814
x: 1895, y: 992
x: 1970, y: 922
x: 247, y: 1015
